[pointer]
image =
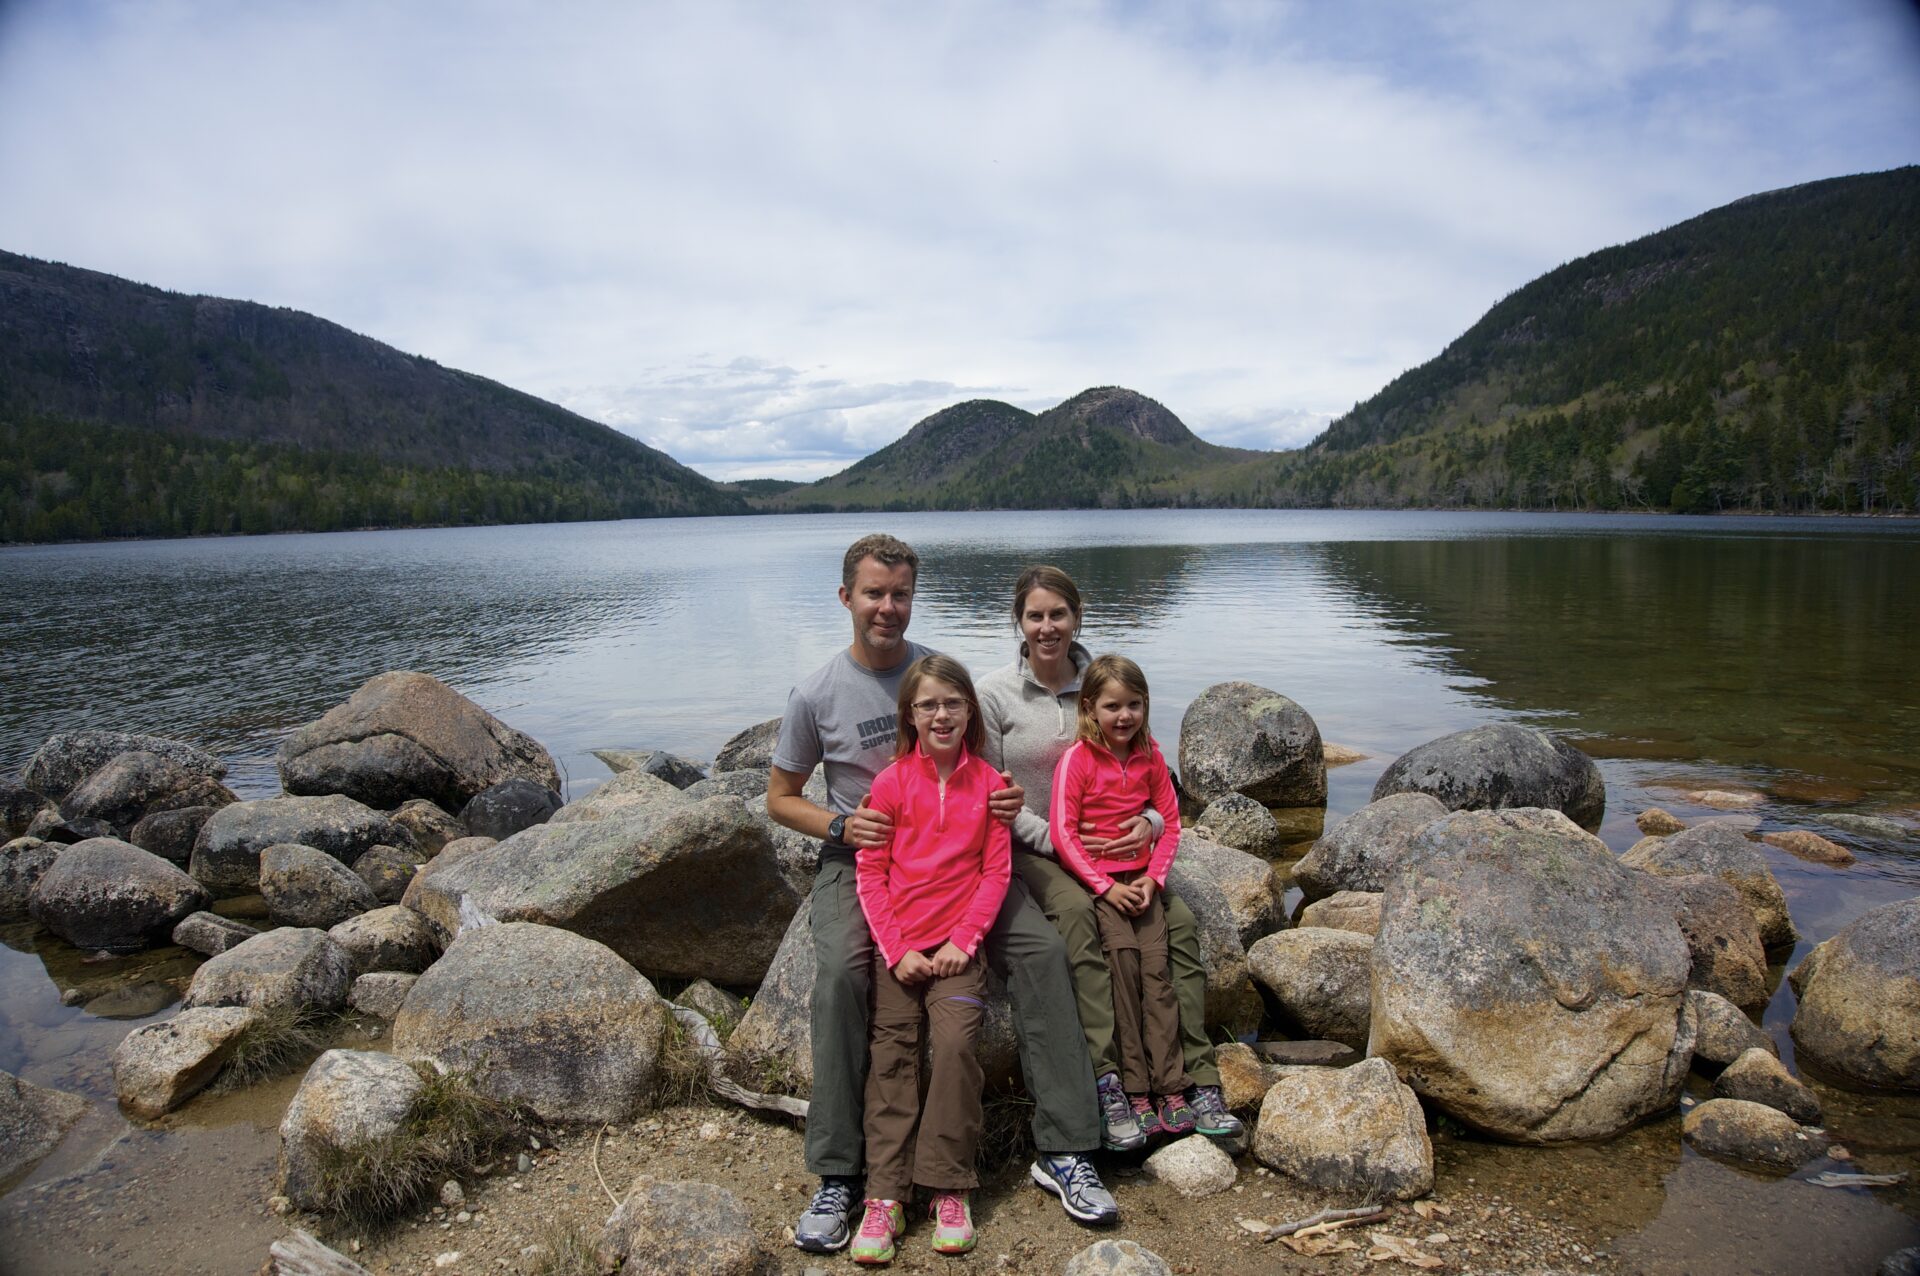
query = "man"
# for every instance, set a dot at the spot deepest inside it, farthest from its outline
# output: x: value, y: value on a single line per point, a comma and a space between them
x: 843, y: 715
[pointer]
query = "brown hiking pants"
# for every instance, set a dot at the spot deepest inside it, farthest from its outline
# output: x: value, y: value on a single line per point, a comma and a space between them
x: 908, y: 1142
x: 1146, y: 1014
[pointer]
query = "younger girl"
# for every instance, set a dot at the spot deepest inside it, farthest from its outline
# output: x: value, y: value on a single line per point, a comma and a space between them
x: 929, y: 895
x: 1107, y: 776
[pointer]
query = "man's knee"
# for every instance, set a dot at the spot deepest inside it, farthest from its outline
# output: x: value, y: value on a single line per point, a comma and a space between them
x: 840, y: 991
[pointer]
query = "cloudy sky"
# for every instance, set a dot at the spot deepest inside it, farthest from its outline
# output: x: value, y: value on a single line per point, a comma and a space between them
x: 769, y: 237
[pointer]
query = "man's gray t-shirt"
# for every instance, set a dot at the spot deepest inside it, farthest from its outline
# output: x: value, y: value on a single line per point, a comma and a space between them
x: 843, y: 714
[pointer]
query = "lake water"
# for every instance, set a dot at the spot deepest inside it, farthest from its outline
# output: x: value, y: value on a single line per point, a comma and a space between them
x: 1766, y: 654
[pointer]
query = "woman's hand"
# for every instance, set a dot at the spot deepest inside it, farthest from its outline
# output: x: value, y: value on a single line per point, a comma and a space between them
x: 950, y: 960
x: 868, y: 827
x: 1132, y: 842
x: 914, y: 968
x: 1006, y: 802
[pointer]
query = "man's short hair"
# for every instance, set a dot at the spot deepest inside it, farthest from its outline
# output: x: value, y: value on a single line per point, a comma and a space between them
x: 888, y: 551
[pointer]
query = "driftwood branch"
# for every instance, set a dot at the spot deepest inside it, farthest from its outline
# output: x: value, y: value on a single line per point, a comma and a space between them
x: 1329, y: 1220
x: 707, y: 1042
x: 299, y: 1254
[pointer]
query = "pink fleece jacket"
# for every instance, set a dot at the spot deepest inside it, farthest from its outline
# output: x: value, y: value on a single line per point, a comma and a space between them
x: 1089, y: 783
x: 944, y: 873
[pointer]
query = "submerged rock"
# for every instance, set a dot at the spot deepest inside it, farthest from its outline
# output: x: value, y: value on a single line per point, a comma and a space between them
x: 105, y: 893
x: 679, y: 1229
x: 408, y: 735
x: 1355, y: 1132
x: 1859, y: 1013
x: 33, y: 1120
x: 1807, y: 845
x: 1655, y: 822
x: 1527, y: 983
x: 159, y: 1066
x: 1724, y: 852
x: 1359, y: 852
x: 542, y: 1017
x: 226, y: 855
x: 1498, y: 767
x: 1237, y: 737
x: 348, y: 1099
x: 1735, y: 1130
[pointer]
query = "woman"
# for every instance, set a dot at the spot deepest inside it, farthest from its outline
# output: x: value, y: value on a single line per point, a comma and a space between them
x: 1031, y: 713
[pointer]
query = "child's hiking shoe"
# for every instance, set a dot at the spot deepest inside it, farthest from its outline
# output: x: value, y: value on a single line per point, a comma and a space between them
x: 826, y: 1226
x: 883, y: 1224
x: 952, y: 1217
x: 1120, y: 1129
x: 1071, y: 1177
x: 1211, y: 1117
x: 1143, y: 1112
x: 1176, y: 1118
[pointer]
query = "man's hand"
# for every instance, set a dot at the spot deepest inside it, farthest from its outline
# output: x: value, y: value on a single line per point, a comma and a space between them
x: 949, y: 960
x: 868, y: 827
x: 914, y: 968
x: 1006, y: 802
x: 1134, y: 841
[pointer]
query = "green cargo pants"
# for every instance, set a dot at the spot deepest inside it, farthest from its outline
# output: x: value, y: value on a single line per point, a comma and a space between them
x: 1022, y: 947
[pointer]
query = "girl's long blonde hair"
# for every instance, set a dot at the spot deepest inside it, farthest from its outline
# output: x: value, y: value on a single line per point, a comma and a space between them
x: 950, y: 671
x: 1114, y: 669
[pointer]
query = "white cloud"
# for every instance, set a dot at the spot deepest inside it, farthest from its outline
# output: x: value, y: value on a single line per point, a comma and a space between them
x: 769, y: 238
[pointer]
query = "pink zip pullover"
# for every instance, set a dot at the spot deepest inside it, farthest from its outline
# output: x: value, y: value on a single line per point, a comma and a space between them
x: 944, y: 873
x: 1089, y: 783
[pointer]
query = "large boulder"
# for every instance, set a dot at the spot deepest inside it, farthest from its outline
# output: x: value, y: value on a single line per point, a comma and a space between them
x: 294, y: 968
x: 1232, y: 1002
x: 23, y: 862
x: 1859, y: 1014
x: 770, y: 1047
x: 409, y: 735
x: 171, y: 834
x: 750, y: 750
x: 1240, y: 738
x: 390, y: 938
x: 1724, y: 940
x: 226, y: 855
x: 159, y: 1066
x: 1320, y: 980
x: 134, y: 785
x: 683, y: 889
x: 1356, y: 1132
x: 679, y: 1229
x: 1499, y: 766
x: 306, y: 887
x: 501, y: 810
x: 542, y: 1017
x: 107, y: 894
x: 450, y: 854
x: 1357, y: 853
x: 69, y: 757
x: 1527, y: 983
x: 32, y: 1121
x: 1738, y: 1130
x: 348, y: 1099
x: 1247, y: 882
x: 1724, y: 852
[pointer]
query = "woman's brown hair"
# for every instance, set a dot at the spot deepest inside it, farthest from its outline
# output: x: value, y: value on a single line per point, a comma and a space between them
x: 943, y: 669
x: 1103, y: 670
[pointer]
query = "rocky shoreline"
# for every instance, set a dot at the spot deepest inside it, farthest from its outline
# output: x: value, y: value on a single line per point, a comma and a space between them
x: 1469, y: 961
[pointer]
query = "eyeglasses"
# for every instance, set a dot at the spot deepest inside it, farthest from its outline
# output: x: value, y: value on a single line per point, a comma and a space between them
x: 954, y: 706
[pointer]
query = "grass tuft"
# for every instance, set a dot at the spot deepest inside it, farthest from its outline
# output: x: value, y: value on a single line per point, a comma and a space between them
x: 680, y: 1070
x: 565, y: 1250
x: 1006, y: 1134
x: 282, y: 1039
x: 449, y: 1130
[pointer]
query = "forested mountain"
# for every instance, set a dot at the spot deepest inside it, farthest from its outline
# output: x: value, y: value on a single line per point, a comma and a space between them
x: 1761, y: 356
x: 127, y: 410
x: 1103, y: 448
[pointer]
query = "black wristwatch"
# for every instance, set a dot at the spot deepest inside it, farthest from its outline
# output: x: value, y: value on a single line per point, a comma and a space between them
x: 837, y: 831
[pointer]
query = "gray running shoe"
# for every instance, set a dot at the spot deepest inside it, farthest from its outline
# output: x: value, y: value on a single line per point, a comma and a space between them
x: 825, y: 1227
x: 1071, y: 1177
x: 1120, y: 1129
x: 1210, y: 1106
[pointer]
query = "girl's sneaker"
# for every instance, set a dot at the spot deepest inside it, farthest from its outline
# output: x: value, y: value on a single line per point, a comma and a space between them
x: 885, y: 1222
x: 1210, y: 1107
x: 1120, y: 1129
x: 1143, y: 1112
x: 1175, y: 1116
x: 952, y: 1216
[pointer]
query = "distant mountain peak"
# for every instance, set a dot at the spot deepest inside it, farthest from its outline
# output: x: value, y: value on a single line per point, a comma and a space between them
x: 1124, y: 411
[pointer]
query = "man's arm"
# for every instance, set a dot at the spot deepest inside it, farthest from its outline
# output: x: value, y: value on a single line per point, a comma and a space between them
x: 786, y: 806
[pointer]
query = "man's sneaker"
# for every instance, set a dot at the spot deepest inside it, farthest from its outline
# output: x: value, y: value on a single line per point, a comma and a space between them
x: 1176, y: 1117
x: 952, y: 1222
x: 1120, y: 1129
x: 883, y: 1224
x: 1211, y: 1117
x: 1150, y: 1127
x: 824, y: 1227
x: 1071, y: 1177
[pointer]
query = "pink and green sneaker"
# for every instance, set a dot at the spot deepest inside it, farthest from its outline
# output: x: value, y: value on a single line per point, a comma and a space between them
x: 952, y: 1222
x: 885, y: 1222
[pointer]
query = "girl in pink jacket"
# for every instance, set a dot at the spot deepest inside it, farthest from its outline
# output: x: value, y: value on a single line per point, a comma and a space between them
x: 1108, y: 776
x: 929, y: 895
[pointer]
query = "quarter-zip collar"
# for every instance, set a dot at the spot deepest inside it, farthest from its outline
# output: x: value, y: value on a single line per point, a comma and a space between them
x: 1069, y: 695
